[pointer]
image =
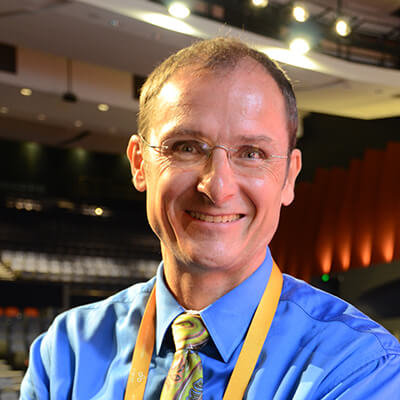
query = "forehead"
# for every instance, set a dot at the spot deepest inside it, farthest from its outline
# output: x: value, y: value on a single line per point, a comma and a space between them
x: 188, y: 80
x: 239, y: 95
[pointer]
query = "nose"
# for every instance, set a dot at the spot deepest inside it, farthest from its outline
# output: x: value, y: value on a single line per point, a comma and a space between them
x: 217, y: 180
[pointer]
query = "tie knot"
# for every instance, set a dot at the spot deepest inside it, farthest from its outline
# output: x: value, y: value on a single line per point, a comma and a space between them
x: 189, y: 332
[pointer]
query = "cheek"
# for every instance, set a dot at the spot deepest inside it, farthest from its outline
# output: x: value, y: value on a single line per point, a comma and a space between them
x: 265, y: 195
x: 267, y: 186
x: 169, y: 187
x: 275, y: 174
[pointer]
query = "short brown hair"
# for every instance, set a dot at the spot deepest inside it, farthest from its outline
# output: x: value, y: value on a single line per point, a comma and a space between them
x: 215, y: 54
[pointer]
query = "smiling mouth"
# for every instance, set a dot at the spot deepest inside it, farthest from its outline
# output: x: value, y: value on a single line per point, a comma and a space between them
x: 215, y: 218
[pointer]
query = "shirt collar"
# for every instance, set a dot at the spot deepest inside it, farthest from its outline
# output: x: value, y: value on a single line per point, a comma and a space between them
x: 167, y: 308
x: 227, y: 319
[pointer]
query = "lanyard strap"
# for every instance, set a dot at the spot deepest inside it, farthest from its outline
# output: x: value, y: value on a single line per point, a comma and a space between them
x: 255, y: 337
x: 143, y: 351
x: 248, y: 356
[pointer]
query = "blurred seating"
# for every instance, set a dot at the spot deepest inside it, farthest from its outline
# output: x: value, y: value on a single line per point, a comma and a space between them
x: 3, y: 334
x: 10, y: 381
x: 56, y: 258
x: 17, y: 332
x: 75, y: 268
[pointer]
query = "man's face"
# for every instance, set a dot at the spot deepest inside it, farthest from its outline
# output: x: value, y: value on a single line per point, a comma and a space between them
x: 209, y: 216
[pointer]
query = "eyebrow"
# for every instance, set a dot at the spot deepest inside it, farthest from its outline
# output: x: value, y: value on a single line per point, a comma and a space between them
x: 257, y: 138
x: 196, y: 133
x: 183, y: 132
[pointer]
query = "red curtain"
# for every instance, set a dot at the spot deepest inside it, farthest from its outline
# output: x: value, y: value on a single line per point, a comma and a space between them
x: 344, y: 219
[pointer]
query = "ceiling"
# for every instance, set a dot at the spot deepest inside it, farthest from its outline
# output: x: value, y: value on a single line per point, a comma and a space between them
x: 107, y: 42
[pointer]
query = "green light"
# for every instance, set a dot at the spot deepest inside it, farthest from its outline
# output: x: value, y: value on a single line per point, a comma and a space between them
x: 325, y: 277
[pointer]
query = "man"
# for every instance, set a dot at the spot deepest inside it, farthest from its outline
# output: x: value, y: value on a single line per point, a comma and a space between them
x: 216, y: 155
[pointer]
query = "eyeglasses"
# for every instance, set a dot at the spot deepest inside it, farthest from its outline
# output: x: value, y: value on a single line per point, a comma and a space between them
x: 247, y: 159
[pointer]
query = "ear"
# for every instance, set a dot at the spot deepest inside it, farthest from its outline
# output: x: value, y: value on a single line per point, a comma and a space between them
x: 292, y: 173
x: 135, y: 155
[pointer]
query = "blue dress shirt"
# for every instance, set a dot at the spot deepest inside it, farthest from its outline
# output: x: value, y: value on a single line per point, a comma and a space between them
x: 318, y: 347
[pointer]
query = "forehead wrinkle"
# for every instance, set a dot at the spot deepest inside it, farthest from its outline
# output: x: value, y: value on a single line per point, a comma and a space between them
x: 255, y: 138
x: 179, y: 132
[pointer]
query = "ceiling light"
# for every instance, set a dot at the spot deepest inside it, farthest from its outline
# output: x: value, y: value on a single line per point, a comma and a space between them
x: 98, y: 211
x: 25, y: 92
x: 103, y: 107
x: 3, y: 110
x: 300, y: 13
x: 179, y: 10
x: 260, y: 3
x: 287, y: 57
x: 299, y: 46
x: 342, y: 26
x: 170, y: 23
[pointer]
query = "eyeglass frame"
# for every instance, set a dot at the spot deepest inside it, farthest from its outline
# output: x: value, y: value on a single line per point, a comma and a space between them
x: 209, y: 150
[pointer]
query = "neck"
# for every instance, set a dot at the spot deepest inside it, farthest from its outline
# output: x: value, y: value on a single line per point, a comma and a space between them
x: 195, y: 286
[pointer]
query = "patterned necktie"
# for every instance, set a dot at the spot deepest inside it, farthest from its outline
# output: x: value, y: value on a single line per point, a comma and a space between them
x: 185, y: 377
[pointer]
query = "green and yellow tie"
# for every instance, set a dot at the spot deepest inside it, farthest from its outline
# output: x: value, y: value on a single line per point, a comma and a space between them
x: 185, y: 377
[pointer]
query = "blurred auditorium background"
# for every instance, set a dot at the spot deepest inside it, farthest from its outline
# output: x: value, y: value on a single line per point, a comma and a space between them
x: 72, y: 228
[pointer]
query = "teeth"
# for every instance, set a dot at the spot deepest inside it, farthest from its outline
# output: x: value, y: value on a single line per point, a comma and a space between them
x: 214, y: 219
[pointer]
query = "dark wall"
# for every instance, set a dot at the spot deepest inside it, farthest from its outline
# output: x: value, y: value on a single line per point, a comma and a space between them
x: 331, y: 141
x: 74, y: 173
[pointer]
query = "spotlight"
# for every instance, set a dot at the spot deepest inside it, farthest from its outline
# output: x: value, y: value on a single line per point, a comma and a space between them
x: 342, y: 27
x: 260, y: 3
x: 300, y: 13
x: 179, y: 10
x: 103, y: 107
x: 25, y: 92
x: 299, y: 46
x: 98, y: 211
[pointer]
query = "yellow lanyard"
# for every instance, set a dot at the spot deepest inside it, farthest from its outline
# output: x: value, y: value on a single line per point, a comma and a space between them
x: 248, y: 356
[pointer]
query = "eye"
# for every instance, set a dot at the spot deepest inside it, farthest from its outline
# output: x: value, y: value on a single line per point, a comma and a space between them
x: 186, y: 146
x: 184, y: 149
x: 251, y: 153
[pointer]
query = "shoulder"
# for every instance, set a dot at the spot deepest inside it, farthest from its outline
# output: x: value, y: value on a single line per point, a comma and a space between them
x: 345, y: 347
x: 331, y: 315
x: 91, y: 336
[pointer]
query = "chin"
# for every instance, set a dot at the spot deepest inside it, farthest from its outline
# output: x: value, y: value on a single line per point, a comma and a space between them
x: 207, y: 259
